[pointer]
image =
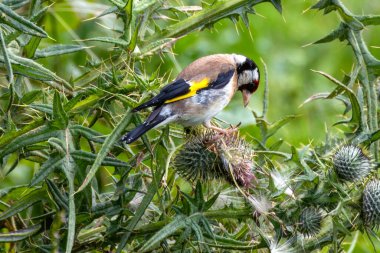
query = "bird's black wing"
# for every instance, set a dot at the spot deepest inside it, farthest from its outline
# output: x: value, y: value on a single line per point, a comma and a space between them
x: 181, y: 89
x: 222, y: 80
x: 177, y: 88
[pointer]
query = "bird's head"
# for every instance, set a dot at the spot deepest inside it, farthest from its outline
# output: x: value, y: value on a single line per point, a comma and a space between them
x: 248, y: 76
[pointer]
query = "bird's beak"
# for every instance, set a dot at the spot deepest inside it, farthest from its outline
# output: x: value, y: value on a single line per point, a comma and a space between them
x: 246, y: 97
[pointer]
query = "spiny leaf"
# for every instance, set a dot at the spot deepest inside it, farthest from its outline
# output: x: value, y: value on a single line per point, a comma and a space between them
x: 60, y: 118
x: 15, y: 4
x: 328, y: 96
x: 118, y: 3
x: 7, y: 62
x: 39, y: 135
x: 32, y: 69
x: 108, y: 143
x: 160, y: 164
x: 275, y: 3
x: 90, y: 158
x: 57, y: 195
x: 116, y: 41
x: 57, y: 50
x: 46, y: 168
x: 178, y: 223
x: 369, y: 19
x: 356, y: 117
x: 23, y: 203
x: 36, y: 16
x: 111, y: 10
x: 8, y: 137
x: 273, y: 128
x: 19, y: 23
x: 20, y: 234
x: 68, y: 166
x: 339, y: 33
x: 87, y: 133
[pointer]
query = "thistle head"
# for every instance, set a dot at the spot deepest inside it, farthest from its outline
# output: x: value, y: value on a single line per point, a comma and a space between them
x: 310, y: 222
x: 211, y: 155
x: 371, y: 204
x: 351, y: 163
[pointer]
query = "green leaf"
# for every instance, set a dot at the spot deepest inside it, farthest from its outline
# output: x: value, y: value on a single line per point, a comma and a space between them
x: 210, y: 202
x: 31, y: 47
x: 369, y: 19
x: 324, y: 95
x: 33, y: 137
x: 160, y: 159
x: 118, y: 3
x: 57, y: 195
x: 116, y: 41
x: 60, y: 118
x: 19, y: 23
x: 57, y: 50
x: 19, y: 235
x: 8, y: 137
x: 31, y: 96
x: 90, y: 158
x: 273, y: 128
x: 356, y: 117
x: 7, y: 62
x: 23, y: 203
x: 87, y: 133
x: 68, y: 166
x: 178, y: 223
x: 339, y: 33
x: 15, y: 4
x: 276, y: 4
x: 46, y: 168
x: 34, y: 70
x: 45, y: 108
x: 107, y: 145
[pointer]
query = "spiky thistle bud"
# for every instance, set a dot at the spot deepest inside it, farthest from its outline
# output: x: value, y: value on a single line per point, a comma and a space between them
x: 310, y: 222
x: 351, y: 163
x: 371, y: 204
x: 211, y: 155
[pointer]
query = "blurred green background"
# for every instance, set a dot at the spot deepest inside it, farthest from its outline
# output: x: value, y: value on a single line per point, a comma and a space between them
x: 281, y: 41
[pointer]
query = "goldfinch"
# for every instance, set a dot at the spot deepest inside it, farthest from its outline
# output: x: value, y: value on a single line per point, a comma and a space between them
x: 200, y: 92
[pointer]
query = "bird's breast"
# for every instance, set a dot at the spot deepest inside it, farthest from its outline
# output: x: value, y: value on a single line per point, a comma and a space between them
x: 202, y: 106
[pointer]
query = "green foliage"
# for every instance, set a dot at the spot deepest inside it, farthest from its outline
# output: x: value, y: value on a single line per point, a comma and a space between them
x: 91, y: 192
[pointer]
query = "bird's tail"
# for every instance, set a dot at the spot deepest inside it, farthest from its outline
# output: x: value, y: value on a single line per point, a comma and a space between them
x: 136, y: 133
x: 153, y: 120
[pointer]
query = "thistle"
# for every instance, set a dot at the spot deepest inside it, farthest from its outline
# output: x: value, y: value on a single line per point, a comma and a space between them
x: 351, y: 164
x: 310, y: 221
x: 371, y: 204
x: 210, y: 155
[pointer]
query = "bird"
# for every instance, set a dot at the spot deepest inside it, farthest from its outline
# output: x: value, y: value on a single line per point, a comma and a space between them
x: 200, y: 91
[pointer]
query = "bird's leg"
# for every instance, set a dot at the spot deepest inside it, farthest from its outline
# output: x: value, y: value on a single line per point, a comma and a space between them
x: 228, y: 131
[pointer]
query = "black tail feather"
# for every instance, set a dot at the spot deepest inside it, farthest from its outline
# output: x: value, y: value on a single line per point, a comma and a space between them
x: 153, y: 120
x: 136, y: 133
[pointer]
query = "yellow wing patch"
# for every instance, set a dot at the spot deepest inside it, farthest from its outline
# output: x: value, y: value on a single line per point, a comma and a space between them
x: 194, y: 87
